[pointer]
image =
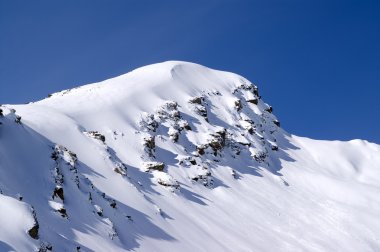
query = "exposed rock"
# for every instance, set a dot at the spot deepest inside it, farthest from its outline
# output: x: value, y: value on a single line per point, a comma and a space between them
x: 98, y: 210
x: 201, y: 149
x: 58, y: 176
x: 216, y: 144
x: 96, y: 135
x: 218, y: 141
x: 45, y: 246
x: 33, y: 232
x: 196, y: 100
x: 202, y: 111
x: 148, y: 122
x: 121, y: 169
x: 173, y: 134
x: 238, y: 105
x: 62, y: 154
x: 274, y: 147
x: 158, y: 166
x: 256, y: 91
x: 260, y: 156
x: 253, y: 101
x: 63, y: 212
x: 149, y: 145
x: 204, y: 177
x: 188, y: 161
x: 184, y: 125
x: 54, y: 155
x: 251, y: 130
x: 19, y: 196
x: 199, y: 107
x: 18, y: 119
x: 245, y: 86
x: 149, y: 142
x: 1, y: 113
x: 277, y: 123
x: 171, y: 105
x: 169, y: 110
x: 113, y: 204
x: 234, y: 174
x: 245, y: 143
x: 175, y: 115
x: 248, y: 124
x: 72, y: 155
x: 58, y: 192
x: 269, y: 109
x: 174, y: 184
x: 65, y: 154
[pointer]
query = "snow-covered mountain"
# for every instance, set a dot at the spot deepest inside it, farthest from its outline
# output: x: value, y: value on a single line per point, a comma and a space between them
x: 178, y: 157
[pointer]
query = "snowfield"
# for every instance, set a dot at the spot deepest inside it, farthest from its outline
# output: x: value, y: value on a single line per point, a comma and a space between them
x: 178, y: 157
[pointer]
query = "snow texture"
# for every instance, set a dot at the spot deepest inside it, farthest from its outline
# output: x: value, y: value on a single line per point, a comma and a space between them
x: 178, y: 157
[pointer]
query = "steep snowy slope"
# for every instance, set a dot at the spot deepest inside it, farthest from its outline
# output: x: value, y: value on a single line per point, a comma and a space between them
x: 178, y: 157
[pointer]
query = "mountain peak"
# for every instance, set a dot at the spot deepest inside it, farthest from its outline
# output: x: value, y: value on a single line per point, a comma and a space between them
x: 163, y: 76
x: 176, y: 156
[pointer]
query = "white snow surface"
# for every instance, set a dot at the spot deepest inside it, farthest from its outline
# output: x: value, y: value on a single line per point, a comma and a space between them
x: 179, y: 157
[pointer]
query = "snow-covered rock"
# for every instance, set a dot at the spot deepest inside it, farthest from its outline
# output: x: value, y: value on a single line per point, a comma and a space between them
x: 178, y: 157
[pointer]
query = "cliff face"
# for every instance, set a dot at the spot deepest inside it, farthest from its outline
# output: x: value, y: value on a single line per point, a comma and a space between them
x: 176, y: 156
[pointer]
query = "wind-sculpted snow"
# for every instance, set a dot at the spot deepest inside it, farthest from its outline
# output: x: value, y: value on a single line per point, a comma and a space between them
x: 178, y: 157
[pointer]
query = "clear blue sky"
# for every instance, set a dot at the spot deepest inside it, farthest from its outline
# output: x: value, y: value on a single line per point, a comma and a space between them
x: 316, y: 62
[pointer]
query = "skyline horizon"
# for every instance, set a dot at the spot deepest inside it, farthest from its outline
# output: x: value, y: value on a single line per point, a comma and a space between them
x: 316, y: 63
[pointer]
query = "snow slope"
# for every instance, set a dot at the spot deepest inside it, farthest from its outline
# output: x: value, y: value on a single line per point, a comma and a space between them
x: 178, y: 157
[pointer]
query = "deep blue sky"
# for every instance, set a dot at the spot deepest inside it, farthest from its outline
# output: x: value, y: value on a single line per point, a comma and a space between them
x: 316, y: 62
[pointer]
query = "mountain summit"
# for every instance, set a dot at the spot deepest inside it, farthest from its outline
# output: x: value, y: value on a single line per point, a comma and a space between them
x: 178, y: 157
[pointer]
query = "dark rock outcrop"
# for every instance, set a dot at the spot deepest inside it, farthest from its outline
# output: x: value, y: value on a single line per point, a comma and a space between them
x: 96, y: 135
x: 158, y: 166
x: 58, y: 192
x: 33, y: 232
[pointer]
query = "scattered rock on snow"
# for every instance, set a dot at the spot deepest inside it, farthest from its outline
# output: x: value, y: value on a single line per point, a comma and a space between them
x: 113, y: 204
x: 152, y: 165
x: 63, y: 212
x: 274, y: 147
x: 45, y: 246
x: 238, y: 105
x: 196, y: 100
x: 149, y: 142
x: 269, y: 109
x: 121, y: 169
x: 260, y: 156
x: 98, y: 210
x: 18, y: 119
x: 58, y: 192
x: 33, y: 232
x: 96, y: 135
x: 253, y: 101
x: 173, y: 134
